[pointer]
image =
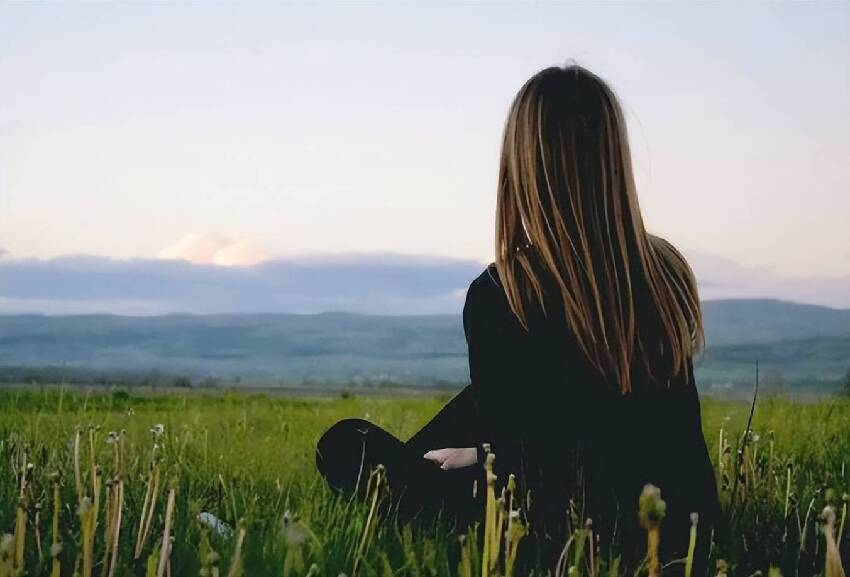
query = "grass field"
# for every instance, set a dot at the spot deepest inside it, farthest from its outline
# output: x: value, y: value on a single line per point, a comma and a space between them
x: 94, y: 484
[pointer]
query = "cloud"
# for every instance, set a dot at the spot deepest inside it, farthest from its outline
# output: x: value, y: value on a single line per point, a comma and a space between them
x: 721, y: 278
x: 371, y: 283
x: 215, y: 249
x: 357, y: 283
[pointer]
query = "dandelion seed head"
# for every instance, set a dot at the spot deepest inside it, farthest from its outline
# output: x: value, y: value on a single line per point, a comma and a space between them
x: 651, y: 507
x: 827, y: 516
x: 7, y: 546
x: 295, y: 533
x: 85, y: 506
x: 694, y: 519
x: 213, y: 558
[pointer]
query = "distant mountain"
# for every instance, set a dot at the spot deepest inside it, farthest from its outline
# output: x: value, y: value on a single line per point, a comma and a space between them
x: 761, y: 321
x: 795, y: 344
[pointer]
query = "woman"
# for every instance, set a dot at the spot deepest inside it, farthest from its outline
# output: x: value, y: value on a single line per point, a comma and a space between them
x: 581, y: 337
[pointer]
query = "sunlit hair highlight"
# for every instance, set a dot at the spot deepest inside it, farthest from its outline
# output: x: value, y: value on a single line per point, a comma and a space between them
x: 570, y: 238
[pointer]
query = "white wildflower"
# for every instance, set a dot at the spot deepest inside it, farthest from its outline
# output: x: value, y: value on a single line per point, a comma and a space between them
x: 218, y: 526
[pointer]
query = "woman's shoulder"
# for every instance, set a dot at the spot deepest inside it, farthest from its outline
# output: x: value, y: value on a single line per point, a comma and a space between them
x: 486, y: 291
x: 488, y: 287
x: 485, y: 295
x: 487, y: 281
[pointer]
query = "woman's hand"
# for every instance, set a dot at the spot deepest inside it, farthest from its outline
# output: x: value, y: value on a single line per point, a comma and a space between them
x: 453, y: 458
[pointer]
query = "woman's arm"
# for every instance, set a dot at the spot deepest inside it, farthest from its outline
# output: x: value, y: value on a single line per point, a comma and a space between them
x: 706, y: 499
x: 683, y: 469
x: 496, y: 374
x: 489, y: 409
x: 455, y: 425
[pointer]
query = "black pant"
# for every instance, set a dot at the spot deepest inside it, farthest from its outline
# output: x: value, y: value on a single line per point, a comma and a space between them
x: 349, y: 450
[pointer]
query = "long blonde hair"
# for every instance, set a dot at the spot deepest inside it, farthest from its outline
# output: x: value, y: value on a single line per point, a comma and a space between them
x: 569, y: 228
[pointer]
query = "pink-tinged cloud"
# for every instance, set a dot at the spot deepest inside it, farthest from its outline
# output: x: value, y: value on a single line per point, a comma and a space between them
x: 722, y: 278
x: 216, y: 249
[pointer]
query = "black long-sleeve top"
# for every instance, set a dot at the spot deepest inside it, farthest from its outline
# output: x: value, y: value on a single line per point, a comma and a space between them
x: 550, y: 421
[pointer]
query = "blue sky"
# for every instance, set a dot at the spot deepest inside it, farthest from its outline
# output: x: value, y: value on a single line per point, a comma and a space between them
x: 233, y: 133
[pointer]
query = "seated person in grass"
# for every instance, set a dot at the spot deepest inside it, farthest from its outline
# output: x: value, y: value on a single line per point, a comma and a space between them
x: 581, y: 341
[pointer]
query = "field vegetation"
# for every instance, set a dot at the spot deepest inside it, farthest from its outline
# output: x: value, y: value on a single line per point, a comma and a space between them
x: 107, y: 484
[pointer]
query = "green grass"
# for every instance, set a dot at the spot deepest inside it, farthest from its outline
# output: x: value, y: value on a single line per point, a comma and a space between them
x: 249, y: 460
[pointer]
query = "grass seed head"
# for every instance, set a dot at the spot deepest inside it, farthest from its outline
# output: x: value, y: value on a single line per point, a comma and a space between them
x: 84, y: 507
x: 652, y: 507
x: 7, y: 547
x: 295, y: 533
x: 827, y: 516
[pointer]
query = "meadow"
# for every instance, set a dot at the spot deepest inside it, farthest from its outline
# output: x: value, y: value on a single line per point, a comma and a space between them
x: 112, y: 483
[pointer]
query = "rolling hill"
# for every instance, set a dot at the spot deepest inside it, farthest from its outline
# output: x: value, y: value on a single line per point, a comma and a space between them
x: 796, y: 345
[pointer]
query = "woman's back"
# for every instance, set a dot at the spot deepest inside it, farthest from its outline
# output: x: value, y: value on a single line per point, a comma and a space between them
x: 567, y: 436
x: 581, y: 337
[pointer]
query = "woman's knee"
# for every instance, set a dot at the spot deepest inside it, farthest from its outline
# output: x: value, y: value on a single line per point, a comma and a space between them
x: 340, y: 452
x: 341, y: 433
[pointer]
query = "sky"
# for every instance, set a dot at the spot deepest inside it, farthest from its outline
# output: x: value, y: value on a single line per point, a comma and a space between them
x: 232, y: 133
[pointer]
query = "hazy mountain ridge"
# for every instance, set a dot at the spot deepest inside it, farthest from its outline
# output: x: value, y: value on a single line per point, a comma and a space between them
x: 749, y: 321
x: 792, y: 342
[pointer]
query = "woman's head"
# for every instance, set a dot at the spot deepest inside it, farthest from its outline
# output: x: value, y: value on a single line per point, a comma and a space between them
x: 569, y: 233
